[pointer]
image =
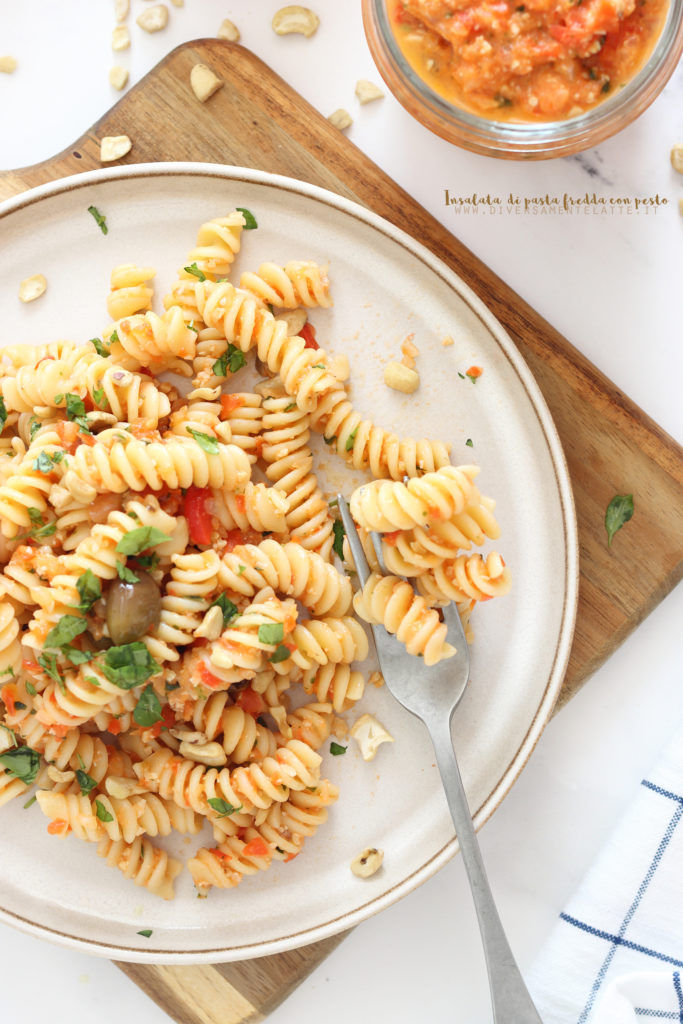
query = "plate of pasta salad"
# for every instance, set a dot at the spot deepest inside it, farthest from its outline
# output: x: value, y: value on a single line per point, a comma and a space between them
x: 198, y: 758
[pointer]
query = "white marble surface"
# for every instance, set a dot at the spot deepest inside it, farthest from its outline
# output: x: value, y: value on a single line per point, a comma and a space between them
x: 610, y: 283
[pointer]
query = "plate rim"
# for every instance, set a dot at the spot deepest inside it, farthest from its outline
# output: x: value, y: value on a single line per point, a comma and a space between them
x: 556, y: 675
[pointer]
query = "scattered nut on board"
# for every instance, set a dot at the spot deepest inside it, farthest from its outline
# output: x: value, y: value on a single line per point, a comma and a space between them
x: 229, y: 31
x: 121, y: 9
x: 113, y: 147
x: 8, y: 65
x: 367, y: 862
x: 294, y: 18
x: 369, y: 733
x: 118, y: 77
x: 677, y: 157
x: 120, y: 38
x: 32, y: 288
x: 204, y: 83
x: 367, y: 91
x: 153, y: 19
x: 341, y: 119
x: 401, y: 378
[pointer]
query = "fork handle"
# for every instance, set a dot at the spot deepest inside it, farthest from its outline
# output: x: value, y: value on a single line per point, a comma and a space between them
x: 510, y: 998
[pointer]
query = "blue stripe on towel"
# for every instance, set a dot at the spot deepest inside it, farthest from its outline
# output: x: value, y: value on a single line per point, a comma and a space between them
x: 660, y: 1014
x: 618, y: 939
x: 679, y: 993
x: 662, y: 792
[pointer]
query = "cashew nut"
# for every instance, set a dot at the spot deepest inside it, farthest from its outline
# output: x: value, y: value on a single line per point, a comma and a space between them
x: 56, y: 775
x: 121, y: 788
x: 367, y: 91
x: 120, y: 38
x: 341, y: 119
x: 369, y: 733
x: 229, y: 31
x: 154, y: 18
x: 401, y: 378
x: 367, y: 862
x: 297, y: 19
x: 32, y: 288
x: 210, y: 754
x: 113, y: 147
x: 211, y: 625
x: 121, y: 9
x: 204, y: 83
x: 118, y: 77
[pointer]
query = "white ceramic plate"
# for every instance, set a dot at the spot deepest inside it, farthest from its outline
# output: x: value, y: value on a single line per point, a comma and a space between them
x: 385, y: 286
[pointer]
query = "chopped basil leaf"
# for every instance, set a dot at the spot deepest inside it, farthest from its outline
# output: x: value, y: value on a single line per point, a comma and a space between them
x: 34, y: 515
x: 229, y: 609
x: 30, y: 688
x: 85, y: 781
x: 191, y: 327
x: 113, y: 337
x: 271, y: 633
x: 44, y: 531
x: 100, y: 220
x: 222, y: 808
x: 99, y: 347
x: 145, y: 932
x: 336, y: 749
x: 77, y: 657
x: 94, y: 681
x: 205, y: 441
x: 241, y: 569
x: 461, y: 375
x: 195, y: 271
x: 619, y: 511
x: 148, y: 561
x: 3, y: 413
x: 330, y: 440
x: 99, y: 398
x: 46, y: 461
x: 469, y: 443
x: 48, y: 662
x: 280, y: 653
x: 125, y: 574
x: 30, y: 802
x: 129, y: 665
x: 22, y: 763
x: 288, y: 408
x: 148, y: 708
x: 75, y: 410
x: 339, y: 534
x: 350, y: 439
x: 474, y: 377
x: 34, y: 427
x: 140, y: 539
x: 89, y: 589
x: 249, y: 218
x: 68, y: 627
x: 102, y: 812
x: 233, y: 359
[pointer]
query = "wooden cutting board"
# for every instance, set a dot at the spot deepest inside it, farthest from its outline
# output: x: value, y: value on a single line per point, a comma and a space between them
x: 612, y: 447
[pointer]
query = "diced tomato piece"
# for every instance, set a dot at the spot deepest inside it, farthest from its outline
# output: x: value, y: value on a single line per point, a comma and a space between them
x: 114, y: 727
x: 291, y: 856
x: 391, y: 538
x: 474, y: 371
x: 235, y: 538
x: 144, y: 430
x: 59, y: 827
x: 256, y: 847
x: 168, y: 716
x: 207, y: 677
x: 307, y: 332
x: 9, y: 694
x: 240, y: 504
x: 197, y: 514
x: 68, y: 434
x: 219, y: 854
x: 250, y: 702
x: 229, y: 403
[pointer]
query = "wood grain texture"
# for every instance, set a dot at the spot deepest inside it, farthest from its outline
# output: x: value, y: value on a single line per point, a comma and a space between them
x: 611, y: 446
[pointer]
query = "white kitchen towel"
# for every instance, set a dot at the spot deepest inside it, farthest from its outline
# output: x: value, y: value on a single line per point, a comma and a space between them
x: 616, y: 954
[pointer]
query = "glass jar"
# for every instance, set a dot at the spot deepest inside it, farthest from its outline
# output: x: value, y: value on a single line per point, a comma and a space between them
x: 521, y: 141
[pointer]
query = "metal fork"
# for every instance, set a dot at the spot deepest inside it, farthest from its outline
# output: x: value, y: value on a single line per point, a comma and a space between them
x: 432, y: 695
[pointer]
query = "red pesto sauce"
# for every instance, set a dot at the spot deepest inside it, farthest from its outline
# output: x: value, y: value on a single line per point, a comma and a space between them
x: 526, y: 60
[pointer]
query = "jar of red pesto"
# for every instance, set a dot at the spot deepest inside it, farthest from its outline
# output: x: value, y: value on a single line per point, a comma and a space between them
x: 525, y: 79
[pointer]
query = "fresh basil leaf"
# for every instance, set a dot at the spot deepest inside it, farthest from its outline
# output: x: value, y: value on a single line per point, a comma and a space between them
x: 44, y: 531
x: 222, y: 808
x: 102, y: 812
x: 30, y: 688
x: 3, y: 413
x: 125, y: 574
x: 48, y: 662
x: 205, y: 441
x: 350, y: 439
x: 469, y: 443
x: 99, y: 347
x: 330, y: 440
x: 100, y: 220
x: 336, y: 749
x: 89, y: 589
x: 99, y: 398
x: 140, y: 539
x: 233, y: 359
x: 229, y: 609
x: 339, y: 534
x: 22, y: 763
x: 85, y: 781
x: 114, y: 337
x: 619, y: 511
x: 280, y: 653
x: 249, y: 219
x: 34, y: 515
x: 271, y: 633
x: 148, y: 708
x: 129, y: 665
x: 148, y: 561
x: 29, y: 803
x: 68, y: 627
x: 145, y: 932
x: 77, y: 657
x: 75, y: 406
x: 46, y: 461
x: 195, y: 271
x: 34, y: 427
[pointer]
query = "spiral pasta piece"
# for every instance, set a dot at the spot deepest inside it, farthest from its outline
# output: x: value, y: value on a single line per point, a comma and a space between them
x: 310, y: 723
x: 10, y: 786
x: 243, y: 413
x: 90, y: 820
x: 225, y: 866
x: 366, y: 446
x: 152, y: 340
x: 10, y: 646
x: 193, y: 582
x: 144, y: 863
x: 239, y: 648
x: 218, y: 242
x: 130, y: 291
x: 388, y: 505
x: 240, y: 735
x: 258, y: 508
x: 202, y: 413
x: 335, y: 683
x: 393, y: 603
x: 299, y: 283
x: 23, y: 499
x: 172, y: 463
x: 329, y: 640
x: 289, y: 569
x: 466, y: 578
